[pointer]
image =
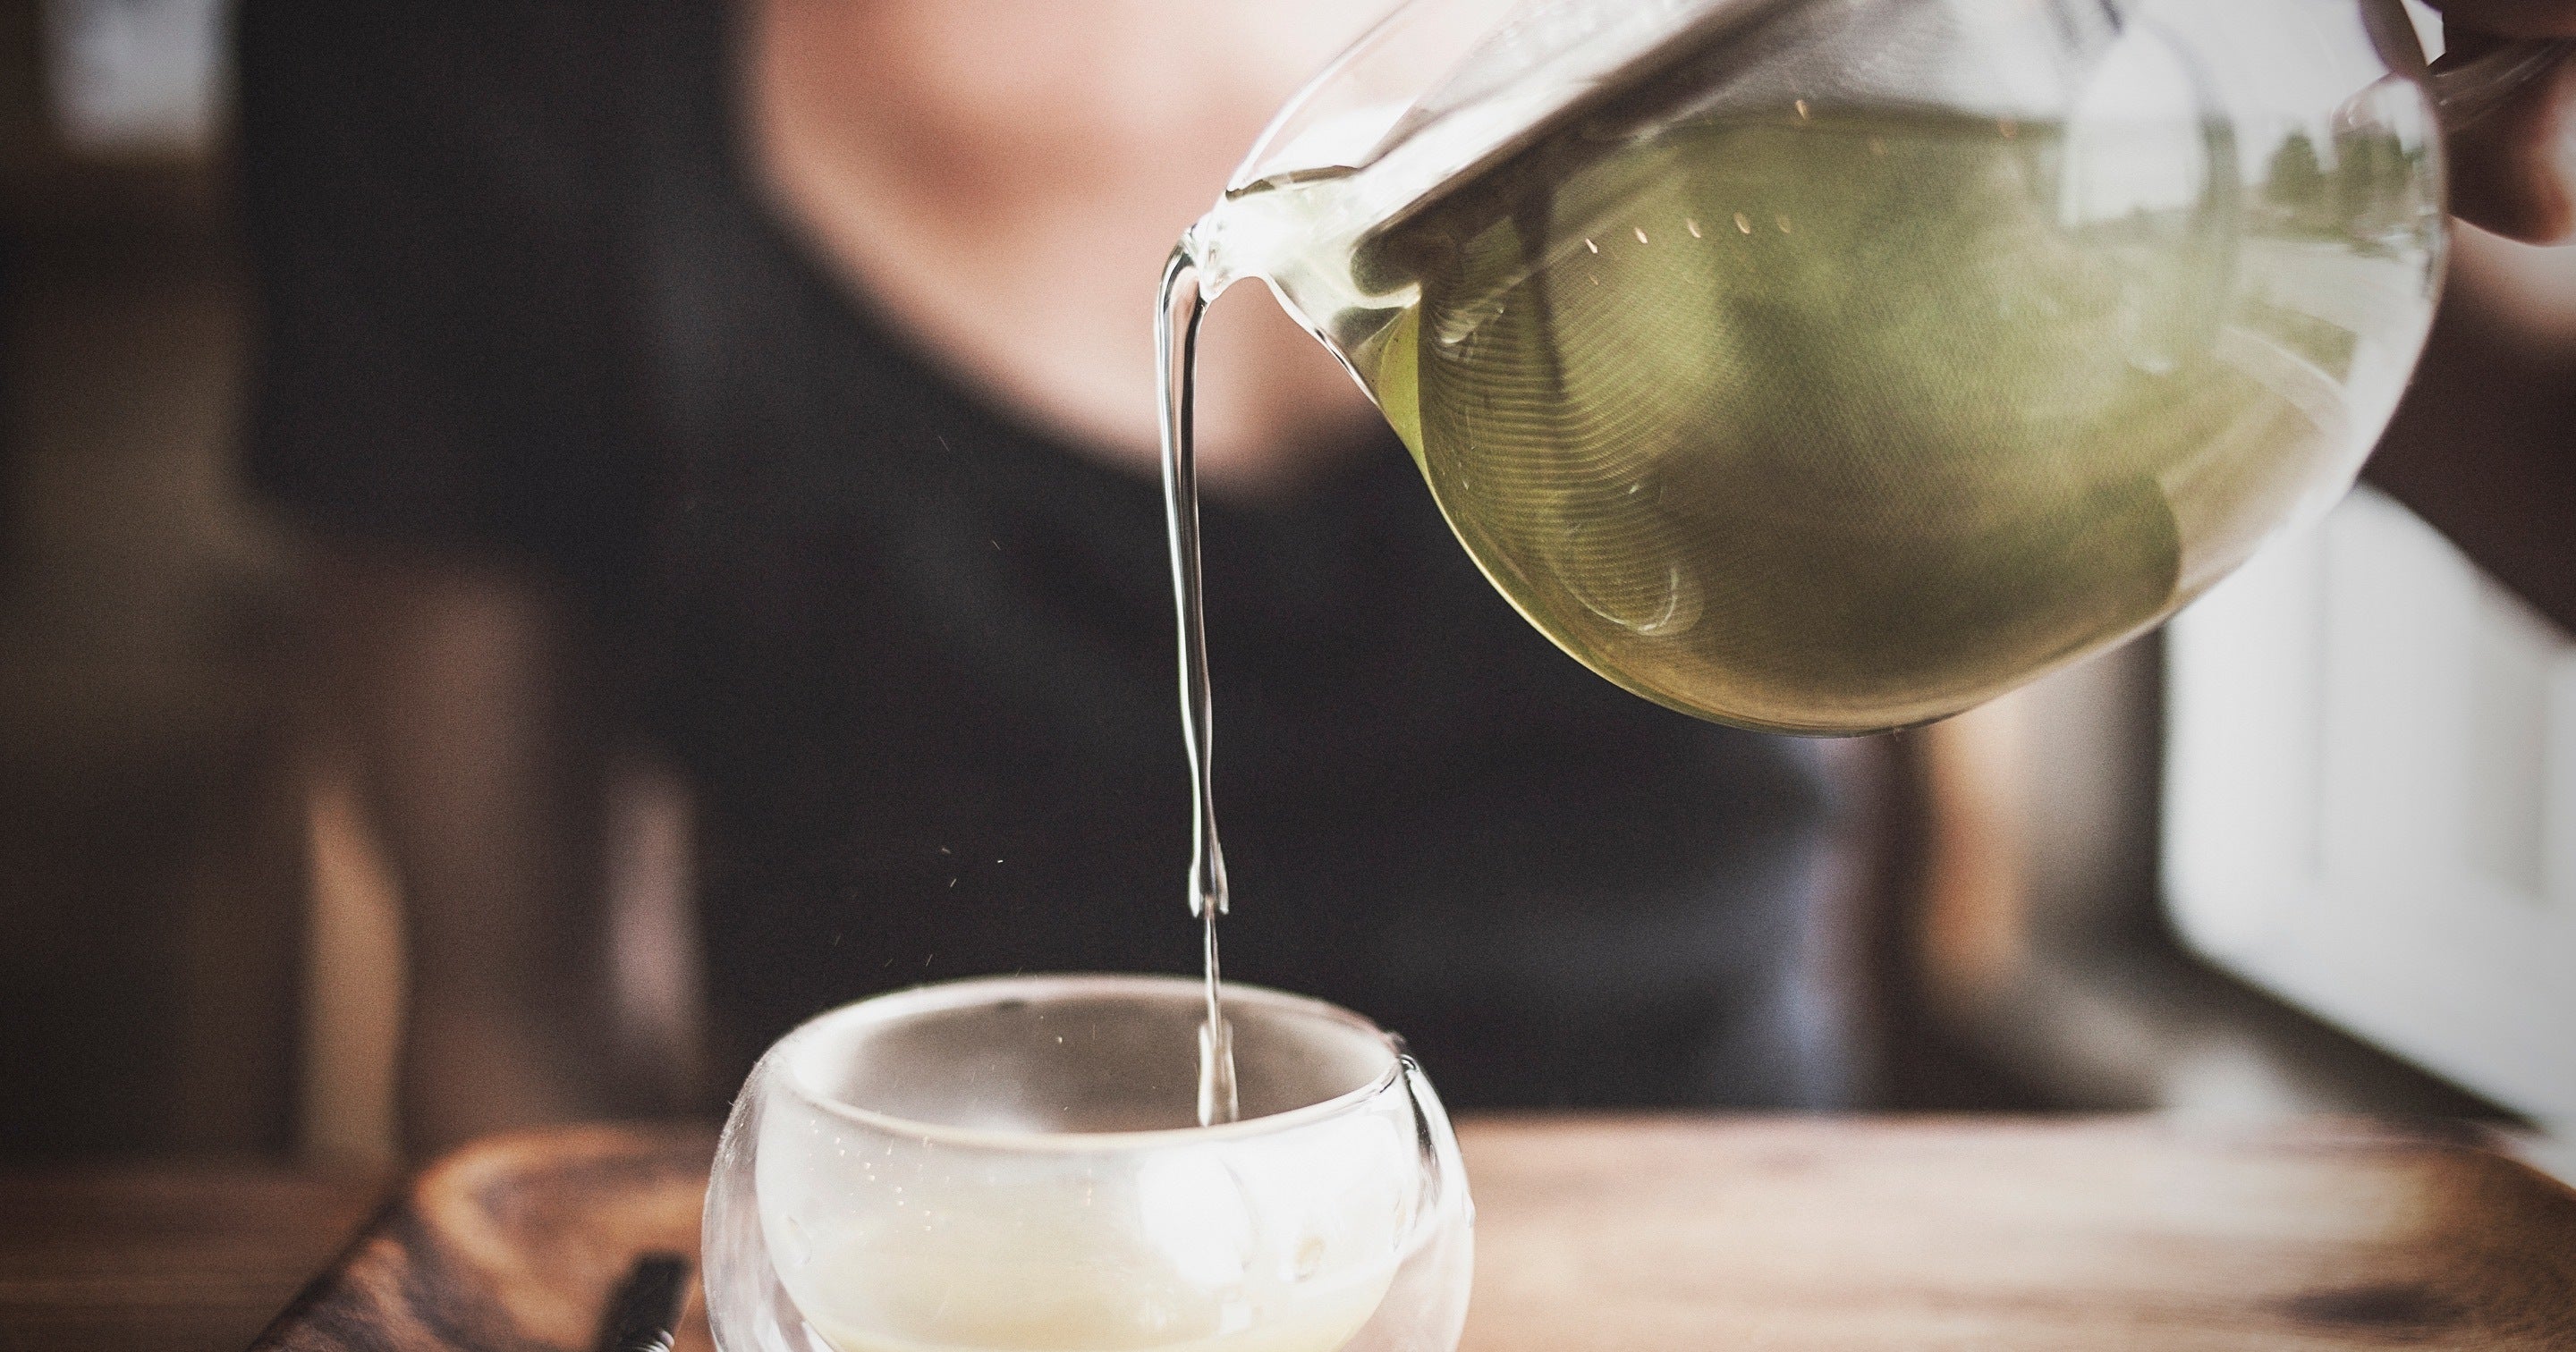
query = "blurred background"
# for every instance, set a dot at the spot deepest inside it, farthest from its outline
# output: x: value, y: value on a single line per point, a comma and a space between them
x: 2314, y: 848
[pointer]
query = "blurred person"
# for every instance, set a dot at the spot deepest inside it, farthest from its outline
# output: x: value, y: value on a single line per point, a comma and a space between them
x: 774, y: 383
x: 771, y: 383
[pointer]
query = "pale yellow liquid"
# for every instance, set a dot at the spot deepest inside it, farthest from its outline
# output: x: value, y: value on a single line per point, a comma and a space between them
x: 1023, y: 1284
x: 1833, y: 421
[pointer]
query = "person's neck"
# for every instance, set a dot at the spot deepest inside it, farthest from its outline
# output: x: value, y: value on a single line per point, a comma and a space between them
x: 1005, y: 176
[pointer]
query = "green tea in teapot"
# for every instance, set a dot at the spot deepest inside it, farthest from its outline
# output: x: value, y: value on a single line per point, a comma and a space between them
x: 1832, y: 420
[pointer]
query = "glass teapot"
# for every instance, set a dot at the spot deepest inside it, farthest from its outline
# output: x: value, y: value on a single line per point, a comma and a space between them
x: 1829, y: 366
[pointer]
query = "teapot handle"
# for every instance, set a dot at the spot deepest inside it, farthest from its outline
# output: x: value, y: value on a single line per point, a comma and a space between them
x: 2469, y: 90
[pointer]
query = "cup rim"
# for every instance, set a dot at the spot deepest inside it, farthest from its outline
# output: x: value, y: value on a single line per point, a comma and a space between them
x: 959, y: 993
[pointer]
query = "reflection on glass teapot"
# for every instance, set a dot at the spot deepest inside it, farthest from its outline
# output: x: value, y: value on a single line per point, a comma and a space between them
x: 1834, y: 365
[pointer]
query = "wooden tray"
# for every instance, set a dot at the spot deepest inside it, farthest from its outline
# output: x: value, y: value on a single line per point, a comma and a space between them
x: 1680, y: 1234
x: 513, y: 1244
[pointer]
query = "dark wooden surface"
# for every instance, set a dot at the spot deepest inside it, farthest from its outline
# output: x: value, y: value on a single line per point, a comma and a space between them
x: 1665, y: 1233
x: 511, y: 1245
x: 165, y: 1258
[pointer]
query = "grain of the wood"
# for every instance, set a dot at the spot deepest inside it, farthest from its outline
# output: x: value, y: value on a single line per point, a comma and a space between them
x: 1678, y: 1234
x: 164, y: 1258
x: 1797, y: 1234
x: 514, y: 1243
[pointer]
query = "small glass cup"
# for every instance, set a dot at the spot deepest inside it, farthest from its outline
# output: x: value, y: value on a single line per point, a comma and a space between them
x: 1015, y: 1164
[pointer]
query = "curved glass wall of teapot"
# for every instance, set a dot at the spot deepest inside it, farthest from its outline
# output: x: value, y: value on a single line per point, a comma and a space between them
x: 1338, y: 119
x: 2337, y: 202
x: 1431, y: 58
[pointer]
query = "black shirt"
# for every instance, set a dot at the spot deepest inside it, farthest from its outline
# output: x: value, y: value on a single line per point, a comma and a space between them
x: 916, y: 657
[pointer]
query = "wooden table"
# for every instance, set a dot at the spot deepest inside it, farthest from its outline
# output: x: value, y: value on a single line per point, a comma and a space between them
x: 2010, y: 1235
x: 1669, y: 1234
x: 167, y: 1257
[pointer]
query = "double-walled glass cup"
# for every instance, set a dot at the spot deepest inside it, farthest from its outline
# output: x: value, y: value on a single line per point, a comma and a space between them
x: 1015, y: 1165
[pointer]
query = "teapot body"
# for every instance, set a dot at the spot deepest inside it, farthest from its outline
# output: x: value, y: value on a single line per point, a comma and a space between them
x: 1834, y: 366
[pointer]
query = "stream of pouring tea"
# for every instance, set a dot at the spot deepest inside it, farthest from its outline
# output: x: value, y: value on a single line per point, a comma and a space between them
x: 1178, y: 306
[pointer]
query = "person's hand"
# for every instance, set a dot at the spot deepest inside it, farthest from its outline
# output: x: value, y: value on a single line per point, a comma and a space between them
x: 2513, y: 171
